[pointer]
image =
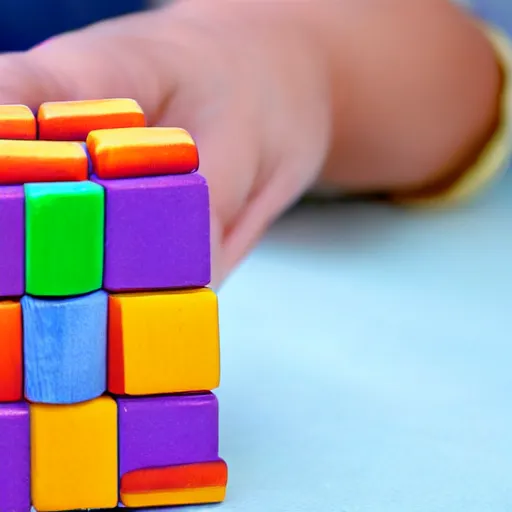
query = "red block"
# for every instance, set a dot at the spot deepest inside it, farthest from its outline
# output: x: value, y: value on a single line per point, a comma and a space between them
x: 115, y: 353
x: 189, y: 476
x: 11, y: 352
x: 17, y: 122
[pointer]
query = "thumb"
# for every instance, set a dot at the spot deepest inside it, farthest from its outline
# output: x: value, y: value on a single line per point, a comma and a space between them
x: 118, y: 58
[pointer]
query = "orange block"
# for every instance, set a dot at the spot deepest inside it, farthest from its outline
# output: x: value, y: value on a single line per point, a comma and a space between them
x: 73, y: 120
x: 24, y: 161
x: 11, y: 366
x: 138, y: 152
x: 188, y: 476
x: 17, y: 122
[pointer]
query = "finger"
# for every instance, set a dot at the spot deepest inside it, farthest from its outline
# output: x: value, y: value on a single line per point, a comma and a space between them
x: 229, y: 161
x: 101, y: 61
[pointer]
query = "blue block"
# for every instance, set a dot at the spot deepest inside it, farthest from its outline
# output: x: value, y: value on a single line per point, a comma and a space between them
x: 65, y: 348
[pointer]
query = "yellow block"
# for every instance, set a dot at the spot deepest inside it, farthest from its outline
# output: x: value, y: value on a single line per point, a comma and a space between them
x: 165, y: 342
x: 198, y: 496
x: 74, y: 455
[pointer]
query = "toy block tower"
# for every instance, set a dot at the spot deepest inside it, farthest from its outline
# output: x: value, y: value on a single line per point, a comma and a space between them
x: 109, y: 337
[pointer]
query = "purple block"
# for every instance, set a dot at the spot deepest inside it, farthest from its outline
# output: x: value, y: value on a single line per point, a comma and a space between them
x: 15, y: 457
x: 12, y: 241
x: 157, y: 233
x: 166, y: 431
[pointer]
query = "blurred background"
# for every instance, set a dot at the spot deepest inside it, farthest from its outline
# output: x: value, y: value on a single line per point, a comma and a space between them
x: 498, y: 12
x: 24, y: 23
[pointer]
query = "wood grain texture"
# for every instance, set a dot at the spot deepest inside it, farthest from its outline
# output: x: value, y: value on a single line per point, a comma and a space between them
x: 164, y: 342
x: 11, y: 352
x: 139, y: 152
x: 64, y: 238
x: 17, y: 122
x: 73, y: 120
x: 26, y: 161
x: 14, y: 457
x: 65, y: 345
x: 74, y: 455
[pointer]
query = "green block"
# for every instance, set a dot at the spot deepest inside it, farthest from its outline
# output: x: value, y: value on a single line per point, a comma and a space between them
x: 64, y: 238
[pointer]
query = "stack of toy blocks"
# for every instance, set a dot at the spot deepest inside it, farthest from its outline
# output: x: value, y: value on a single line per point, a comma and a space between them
x: 109, y: 339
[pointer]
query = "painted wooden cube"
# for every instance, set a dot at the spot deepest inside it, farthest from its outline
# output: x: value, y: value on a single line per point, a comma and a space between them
x: 177, y: 457
x: 109, y: 336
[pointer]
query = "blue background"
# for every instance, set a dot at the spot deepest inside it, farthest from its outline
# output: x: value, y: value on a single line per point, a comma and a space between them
x: 24, y: 23
x: 498, y: 12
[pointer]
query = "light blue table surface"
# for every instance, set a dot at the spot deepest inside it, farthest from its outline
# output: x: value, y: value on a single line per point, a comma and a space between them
x: 367, y: 362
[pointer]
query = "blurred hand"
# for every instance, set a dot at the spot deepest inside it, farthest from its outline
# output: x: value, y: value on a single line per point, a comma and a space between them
x: 278, y: 93
x: 255, y: 108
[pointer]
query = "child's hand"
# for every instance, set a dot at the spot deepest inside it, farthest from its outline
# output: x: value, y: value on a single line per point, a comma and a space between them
x: 275, y: 92
x: 256, y: 109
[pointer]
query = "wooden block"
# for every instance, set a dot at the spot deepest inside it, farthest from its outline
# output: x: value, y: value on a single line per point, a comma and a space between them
x: 73, y: 120
x: 25, y: 161
x: 12, y: 241
x: 164, y: 342
x: 157, y: 233
x: 163, y: 445
x: 138, y: 152
x: 65, y: 345
x: 11, y: 350
x: 17, y: 122
x: 74, y: 455
x: 14, y: 457
x: 64, y: 238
